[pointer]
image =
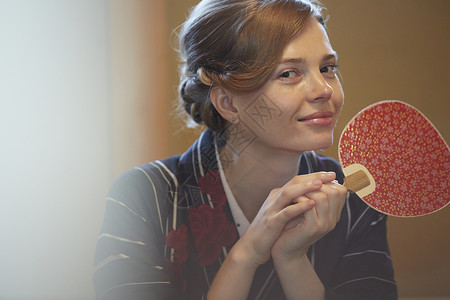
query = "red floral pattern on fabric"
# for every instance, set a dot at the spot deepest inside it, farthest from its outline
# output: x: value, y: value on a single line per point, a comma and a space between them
x: 211, y: 184
x: 209, y: 227
x: 177, y: 239
x: 211, y: 231
x: 178, y: 275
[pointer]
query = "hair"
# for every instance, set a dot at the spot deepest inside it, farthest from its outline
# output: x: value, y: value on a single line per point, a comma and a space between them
x: 235, y: 44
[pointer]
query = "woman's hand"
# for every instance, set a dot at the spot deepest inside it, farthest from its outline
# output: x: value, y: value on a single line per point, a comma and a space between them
x: 313, y: 202
x: 305, y: 229
x: 273, y: 225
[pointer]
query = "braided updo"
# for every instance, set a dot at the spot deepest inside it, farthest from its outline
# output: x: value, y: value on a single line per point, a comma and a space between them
x: 235, y: 44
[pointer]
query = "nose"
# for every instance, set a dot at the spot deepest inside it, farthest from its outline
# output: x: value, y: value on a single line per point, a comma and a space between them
x: 320, y: 89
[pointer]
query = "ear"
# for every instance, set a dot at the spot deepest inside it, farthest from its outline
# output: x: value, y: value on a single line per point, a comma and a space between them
x: 223, y: 103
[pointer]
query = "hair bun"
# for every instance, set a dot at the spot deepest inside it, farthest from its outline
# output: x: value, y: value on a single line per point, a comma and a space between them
x: 194, y: 94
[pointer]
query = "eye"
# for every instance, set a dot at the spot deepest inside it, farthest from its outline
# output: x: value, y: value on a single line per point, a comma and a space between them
x: 288, y: 74
x: 330, y: 70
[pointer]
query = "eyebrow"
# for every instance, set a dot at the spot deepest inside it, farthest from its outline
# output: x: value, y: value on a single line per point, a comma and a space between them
x: 299, y: 60
x: 332, y: 55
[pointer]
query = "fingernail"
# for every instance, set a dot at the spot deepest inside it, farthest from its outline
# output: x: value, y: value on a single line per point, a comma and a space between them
x: 316, y: 182
x: 330, y: 174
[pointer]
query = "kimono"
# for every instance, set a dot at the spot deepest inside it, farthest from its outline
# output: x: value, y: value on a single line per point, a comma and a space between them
x: 168, y: 228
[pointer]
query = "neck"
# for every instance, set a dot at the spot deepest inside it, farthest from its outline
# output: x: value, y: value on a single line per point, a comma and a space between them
x: 254, y: 173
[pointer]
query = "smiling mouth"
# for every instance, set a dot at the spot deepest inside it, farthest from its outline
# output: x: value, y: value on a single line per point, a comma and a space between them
x: 320, y: 118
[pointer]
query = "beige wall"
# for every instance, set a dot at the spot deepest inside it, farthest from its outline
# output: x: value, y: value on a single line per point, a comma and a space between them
x: 139, y: 77
x: 388, y: 49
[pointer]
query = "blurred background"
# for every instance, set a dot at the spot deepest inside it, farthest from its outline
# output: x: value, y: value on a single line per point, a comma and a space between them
x: 87, y: 90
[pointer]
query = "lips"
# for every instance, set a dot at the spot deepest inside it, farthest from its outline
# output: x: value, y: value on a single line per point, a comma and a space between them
x: 318, y: 118
x: 317, y: 115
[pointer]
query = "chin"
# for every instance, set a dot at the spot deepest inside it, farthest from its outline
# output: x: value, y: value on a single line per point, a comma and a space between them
x: 321, y: 145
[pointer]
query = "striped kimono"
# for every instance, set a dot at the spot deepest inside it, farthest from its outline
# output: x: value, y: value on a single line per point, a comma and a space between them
x: 168, y: 228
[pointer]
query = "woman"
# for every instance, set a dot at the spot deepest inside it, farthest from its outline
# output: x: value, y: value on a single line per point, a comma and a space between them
x: 249, y: 211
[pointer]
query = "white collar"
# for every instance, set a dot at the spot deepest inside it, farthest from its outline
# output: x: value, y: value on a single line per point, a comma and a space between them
x: 240, y: 220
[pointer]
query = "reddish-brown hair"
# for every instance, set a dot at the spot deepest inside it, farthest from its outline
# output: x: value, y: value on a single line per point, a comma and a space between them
x: 235, y: 44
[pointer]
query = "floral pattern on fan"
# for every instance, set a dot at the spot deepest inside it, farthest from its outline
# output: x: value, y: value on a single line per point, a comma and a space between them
x: 407, y: 157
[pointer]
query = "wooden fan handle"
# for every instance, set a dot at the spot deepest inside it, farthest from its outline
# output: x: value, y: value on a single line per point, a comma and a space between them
x: 356, y: 181
x: 359, y: 180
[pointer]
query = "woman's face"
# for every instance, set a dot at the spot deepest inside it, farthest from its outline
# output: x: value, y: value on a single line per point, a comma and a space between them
x: 297, y: 109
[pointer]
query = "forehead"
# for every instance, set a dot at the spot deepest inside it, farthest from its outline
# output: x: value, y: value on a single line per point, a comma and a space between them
x: 311, y: 42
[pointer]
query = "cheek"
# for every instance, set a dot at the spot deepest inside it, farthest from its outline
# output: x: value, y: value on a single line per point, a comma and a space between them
x: 263, y: 111
x: 338, y: 98
x: 284, y: 102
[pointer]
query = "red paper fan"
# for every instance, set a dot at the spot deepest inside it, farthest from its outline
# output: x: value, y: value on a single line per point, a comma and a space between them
x: 405, y: 159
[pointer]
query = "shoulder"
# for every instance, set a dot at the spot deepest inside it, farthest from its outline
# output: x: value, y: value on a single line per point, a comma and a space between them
x: 143, y: 187
x: 148, y: 176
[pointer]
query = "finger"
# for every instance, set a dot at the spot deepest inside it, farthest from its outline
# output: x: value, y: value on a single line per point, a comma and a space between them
x: 321, y: 204
x: 294, y: 222
x: 292, y: 188
x: 297, y: 220
x: 300, y: 199
x: 329, y: 202
x: 325, y: 177
x: 289, y: 192
x: 293, y: 211
x: 337, y: 195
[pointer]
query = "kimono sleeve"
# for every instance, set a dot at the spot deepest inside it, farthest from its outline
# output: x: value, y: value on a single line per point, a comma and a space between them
x: 365, y: 270
x: 362, y: 265
x: 129, y: 260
